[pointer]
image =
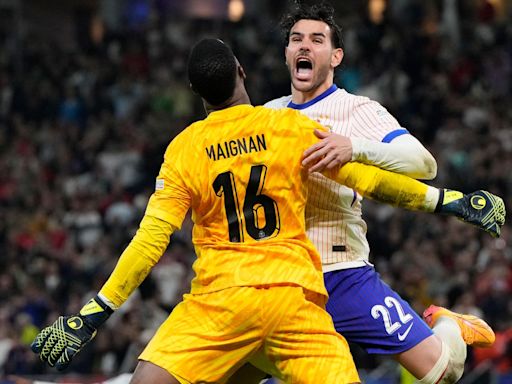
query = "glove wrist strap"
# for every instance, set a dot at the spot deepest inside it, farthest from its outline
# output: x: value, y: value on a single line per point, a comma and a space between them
x: 96, y: 312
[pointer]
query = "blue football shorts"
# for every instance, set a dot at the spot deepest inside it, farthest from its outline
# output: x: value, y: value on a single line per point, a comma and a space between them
x: 366, y: 311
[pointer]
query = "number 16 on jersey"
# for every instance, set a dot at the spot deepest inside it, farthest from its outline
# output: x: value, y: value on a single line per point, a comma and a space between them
x: 254, y: 201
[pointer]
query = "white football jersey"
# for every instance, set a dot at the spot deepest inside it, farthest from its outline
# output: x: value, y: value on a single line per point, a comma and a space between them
x: 333, y: 212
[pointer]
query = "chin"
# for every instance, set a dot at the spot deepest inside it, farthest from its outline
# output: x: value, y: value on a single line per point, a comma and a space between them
x: 303, y: 86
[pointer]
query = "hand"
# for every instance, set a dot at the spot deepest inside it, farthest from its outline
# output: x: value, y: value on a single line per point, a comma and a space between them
x: 332, y: 151
x: 480, y: 208
x: 61, y: 341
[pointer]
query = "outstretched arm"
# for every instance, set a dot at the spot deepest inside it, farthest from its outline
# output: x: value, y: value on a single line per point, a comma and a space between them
x: 479, y: 208
x: 61, y: 341
x: 404, y: 155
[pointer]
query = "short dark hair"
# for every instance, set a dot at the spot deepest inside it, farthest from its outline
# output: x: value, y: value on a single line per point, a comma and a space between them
x: 212, y: 70
x: 322, y: 12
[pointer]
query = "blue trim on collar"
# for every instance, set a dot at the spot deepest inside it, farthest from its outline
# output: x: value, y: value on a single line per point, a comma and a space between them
x: 323, y: 95
x: 394, y: 134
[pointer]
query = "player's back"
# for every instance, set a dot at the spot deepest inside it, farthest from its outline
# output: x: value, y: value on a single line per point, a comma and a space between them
x: 241, y: 168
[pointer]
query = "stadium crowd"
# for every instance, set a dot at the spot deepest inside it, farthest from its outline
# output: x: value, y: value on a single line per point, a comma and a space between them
x: 83, y: 132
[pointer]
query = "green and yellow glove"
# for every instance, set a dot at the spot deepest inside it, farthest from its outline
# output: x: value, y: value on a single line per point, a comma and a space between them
x: 480, y: 208
x: 61, y: 341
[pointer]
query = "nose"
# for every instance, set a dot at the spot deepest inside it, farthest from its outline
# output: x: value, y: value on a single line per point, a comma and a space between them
x: 305, y: 45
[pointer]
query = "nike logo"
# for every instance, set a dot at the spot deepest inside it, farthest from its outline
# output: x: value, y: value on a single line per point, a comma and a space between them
x: 402, y: 336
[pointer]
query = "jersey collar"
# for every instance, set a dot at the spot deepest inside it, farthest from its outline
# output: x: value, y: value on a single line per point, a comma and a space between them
x: 323, y: 95
x: 231, y: 112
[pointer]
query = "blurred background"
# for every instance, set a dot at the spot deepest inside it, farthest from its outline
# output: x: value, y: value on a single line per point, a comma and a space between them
x: 91, y: 93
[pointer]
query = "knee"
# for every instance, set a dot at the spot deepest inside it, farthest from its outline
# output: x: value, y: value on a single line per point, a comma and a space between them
x: 448, y: 369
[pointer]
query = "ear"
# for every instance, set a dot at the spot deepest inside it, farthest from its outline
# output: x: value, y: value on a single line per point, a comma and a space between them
x: 241, y: 72
x: 192, y: 89
x: 285, y: 56
x: 337, y: 57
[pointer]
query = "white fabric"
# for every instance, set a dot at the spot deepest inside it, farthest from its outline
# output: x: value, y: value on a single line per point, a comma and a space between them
x: 449, y: 332
x: 405, y: 155
x: 439, y: 368
x: 333, y: 212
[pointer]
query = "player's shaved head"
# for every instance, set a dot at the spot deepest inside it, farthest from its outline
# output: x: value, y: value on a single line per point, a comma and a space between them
x: 212, y: 70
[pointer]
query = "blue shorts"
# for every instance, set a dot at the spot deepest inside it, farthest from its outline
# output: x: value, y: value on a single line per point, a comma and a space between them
x: 368, y: 312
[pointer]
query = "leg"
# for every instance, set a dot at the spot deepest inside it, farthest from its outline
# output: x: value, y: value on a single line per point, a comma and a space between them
x: 301, y: 345
x: 248, y: 374
x: 147, y: 372
x: 207, y: 337
x: 394, y: 328
x: 368, y: 312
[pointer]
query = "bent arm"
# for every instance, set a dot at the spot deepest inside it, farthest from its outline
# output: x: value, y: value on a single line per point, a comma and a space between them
x: 143, y: 252
x: 404, y: 154
x: 386, y: 187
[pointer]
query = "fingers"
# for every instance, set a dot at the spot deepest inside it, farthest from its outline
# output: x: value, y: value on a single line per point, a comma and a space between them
x: 315, y: 157
x: 56, y: 352
x: 321, y: 134
x: 65, y: 359
x: 315, y: 147
x: 329, y: 162
x: 40, y: 340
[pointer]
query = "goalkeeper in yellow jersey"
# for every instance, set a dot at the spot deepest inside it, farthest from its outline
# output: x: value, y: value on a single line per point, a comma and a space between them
x: 258, y: 294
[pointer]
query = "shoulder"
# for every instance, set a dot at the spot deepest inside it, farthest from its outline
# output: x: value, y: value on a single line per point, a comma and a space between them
x: 183, y: 139
x: 364, y: 104
x: 281, y: 102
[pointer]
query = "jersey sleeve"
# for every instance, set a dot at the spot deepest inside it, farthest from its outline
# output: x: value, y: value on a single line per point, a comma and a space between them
x: 384, y: 186
x: 372, y: 121
x: 143, y: 252
x: 172, y: 198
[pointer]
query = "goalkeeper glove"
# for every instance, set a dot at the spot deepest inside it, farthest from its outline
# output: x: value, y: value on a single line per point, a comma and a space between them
x: 480, y: 208
x: 61, y: 341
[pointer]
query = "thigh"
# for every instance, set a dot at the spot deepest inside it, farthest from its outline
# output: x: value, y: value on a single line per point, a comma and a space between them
x: 207, y: 337
x: 303, y: 346
x: 368, y: 312
x: 147, y: 372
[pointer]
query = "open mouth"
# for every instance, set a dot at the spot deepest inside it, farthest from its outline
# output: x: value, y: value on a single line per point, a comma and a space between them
x: 304, y: 68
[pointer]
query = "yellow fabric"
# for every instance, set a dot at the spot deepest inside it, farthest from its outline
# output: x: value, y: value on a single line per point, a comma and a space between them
x: 383, y: 186
x: 282, y: 330
x: 143, y: 252
x: 241, y: 144
x: 241, y: 140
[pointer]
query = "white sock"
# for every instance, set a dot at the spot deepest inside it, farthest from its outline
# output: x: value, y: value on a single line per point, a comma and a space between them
x: 449, y: 331
x: 450, y: 366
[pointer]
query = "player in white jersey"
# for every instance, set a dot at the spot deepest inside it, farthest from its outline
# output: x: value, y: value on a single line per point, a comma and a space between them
x: 364, y: 309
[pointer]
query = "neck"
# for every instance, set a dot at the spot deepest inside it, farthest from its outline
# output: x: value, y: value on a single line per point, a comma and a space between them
x: 301, y: 97
x: 238, y: 98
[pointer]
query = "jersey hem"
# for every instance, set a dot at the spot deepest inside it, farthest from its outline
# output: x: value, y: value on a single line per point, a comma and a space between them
x: 345, y: 265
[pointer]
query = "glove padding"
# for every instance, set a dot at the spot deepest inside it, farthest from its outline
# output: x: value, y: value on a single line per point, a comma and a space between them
x: 61, y: 341
x: 480, y: 208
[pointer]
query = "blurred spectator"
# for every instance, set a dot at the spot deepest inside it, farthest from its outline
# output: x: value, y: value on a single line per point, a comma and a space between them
x: 83, y: 132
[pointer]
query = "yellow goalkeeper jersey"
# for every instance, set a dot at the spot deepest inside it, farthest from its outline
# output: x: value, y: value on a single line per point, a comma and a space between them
x: 240, y: 172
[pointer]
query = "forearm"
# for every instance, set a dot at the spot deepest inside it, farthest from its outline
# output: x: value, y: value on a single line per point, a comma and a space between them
x: 387, y: 187
x: 404, y: 155
x: 143, y: 252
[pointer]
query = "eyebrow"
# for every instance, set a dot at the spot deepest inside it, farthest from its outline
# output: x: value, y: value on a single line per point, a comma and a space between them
x: 316, y: 34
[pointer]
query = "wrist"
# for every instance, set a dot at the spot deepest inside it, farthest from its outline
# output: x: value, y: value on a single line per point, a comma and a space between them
x: 96, y: 312
x: 450, y: 202
x: 357, y: 147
